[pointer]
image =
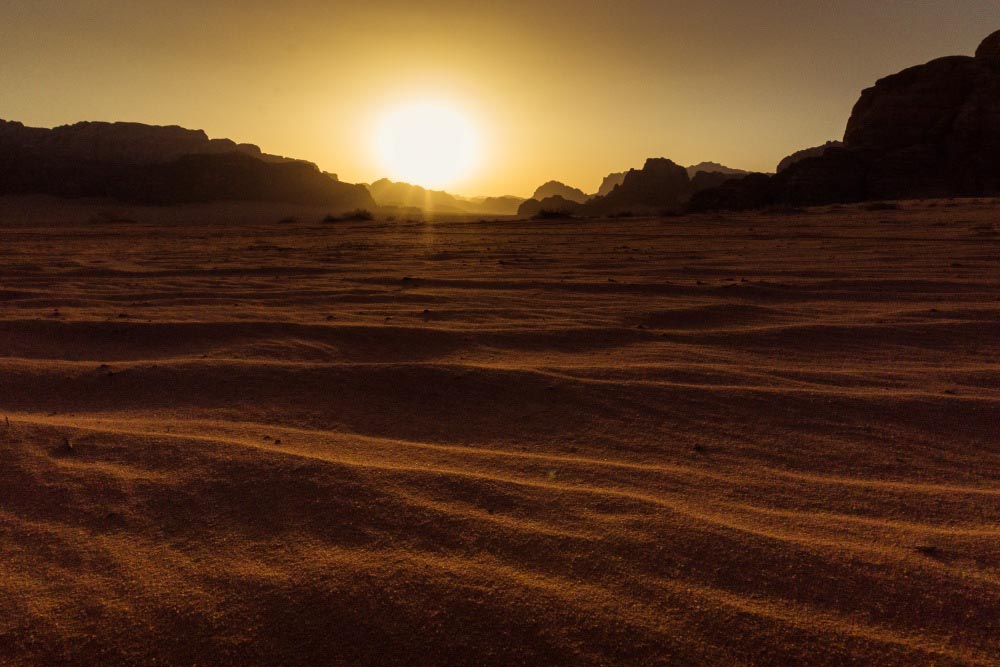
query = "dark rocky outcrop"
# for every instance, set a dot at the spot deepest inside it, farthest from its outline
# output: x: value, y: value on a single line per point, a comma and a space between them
x: 159, y: 165
x: 610, y: 182
x: 121, y: 143
x: 737, y: 194
x: 660, y: 184
x: 928, y: 131
x: 714, y: 168
x: 554, y: 206
x: 798, y: 156
x: 557, y: 189
x: 704, y: 180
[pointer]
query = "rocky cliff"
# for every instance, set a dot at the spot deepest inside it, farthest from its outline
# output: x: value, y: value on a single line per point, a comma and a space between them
x: 159, y: 165
x: 929, y: 131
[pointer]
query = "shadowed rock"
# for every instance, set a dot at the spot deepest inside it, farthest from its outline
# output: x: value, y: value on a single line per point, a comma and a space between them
x: 928, y: 131
x: 798, y: 156
x: 714, y: 168
x: 159, y: 165
x: 660, y: 184
x: 557, y: 189
x: 610, y: 182
x: 555, y: 206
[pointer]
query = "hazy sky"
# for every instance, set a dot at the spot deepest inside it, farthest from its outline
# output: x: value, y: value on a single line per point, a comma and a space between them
x: 564, y: 89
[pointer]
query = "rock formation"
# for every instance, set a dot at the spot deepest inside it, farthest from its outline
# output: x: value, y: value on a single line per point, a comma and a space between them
x: 714, y: 168
x: 158, y: 165
x: 660, y: 184
x: 557, y: 189
x: 554, y: 206
x: 798, y: 156
x: 928, y: 131
x: 121, y: 143
x: 704, y: 180
x: 609, y: 183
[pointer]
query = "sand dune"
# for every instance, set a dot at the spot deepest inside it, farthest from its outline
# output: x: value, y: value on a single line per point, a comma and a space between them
x: 741, y: 439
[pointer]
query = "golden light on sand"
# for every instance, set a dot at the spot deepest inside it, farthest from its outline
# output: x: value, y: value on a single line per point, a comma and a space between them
x: 427, y: 143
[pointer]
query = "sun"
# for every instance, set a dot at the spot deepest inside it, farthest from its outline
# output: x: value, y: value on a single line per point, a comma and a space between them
x: 427, y: 143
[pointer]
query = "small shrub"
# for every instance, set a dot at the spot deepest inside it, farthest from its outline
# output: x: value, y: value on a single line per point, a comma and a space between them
x: 359, y: 214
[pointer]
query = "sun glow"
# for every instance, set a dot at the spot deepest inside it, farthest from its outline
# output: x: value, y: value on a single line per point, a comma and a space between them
x: 428, y: 144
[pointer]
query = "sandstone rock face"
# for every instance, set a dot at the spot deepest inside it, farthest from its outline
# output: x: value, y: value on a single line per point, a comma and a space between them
x: 932, y: 130
x: 159, y: 165
x: 798, y: 156
x: 928, y: 131
x: 557, y: 189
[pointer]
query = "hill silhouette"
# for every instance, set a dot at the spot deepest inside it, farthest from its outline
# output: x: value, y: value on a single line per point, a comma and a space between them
x: 928, y: 131
x: 557, y: 189
x: 407, y: 195
x: 661, y: 185
x: 140, y: 163
x: 798, y: 156
x: 714, y: 168
x: 554, y: 206
x: 609, y: 183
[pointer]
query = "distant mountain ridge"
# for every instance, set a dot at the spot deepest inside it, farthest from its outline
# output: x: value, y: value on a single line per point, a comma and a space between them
x: 407, y: 195
x: 159, y: 165
x: 609, y: 183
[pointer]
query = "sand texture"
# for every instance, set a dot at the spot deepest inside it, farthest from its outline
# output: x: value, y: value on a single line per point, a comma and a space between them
x: 745, y: 439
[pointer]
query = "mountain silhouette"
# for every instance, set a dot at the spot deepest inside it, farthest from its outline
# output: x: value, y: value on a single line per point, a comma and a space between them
x: 661, y: 185
x: 929, y: 131
x: 714, y: 168
x: 557, y: 189
x: 150, y: 164
x: 610, y: 182
x: 407, y: 195
x: 554, y: 206
x: 798, y: 156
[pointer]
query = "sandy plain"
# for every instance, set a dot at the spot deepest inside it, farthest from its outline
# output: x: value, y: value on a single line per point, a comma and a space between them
x: 743, y: 439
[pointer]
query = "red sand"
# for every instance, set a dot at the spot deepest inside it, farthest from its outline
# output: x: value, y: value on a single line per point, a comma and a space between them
x: 741, y: 439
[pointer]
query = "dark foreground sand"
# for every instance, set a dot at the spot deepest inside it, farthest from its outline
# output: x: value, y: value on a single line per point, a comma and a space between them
x: 741, y: 439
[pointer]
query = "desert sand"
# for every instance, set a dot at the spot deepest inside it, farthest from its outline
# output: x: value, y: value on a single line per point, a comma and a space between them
x: 741, y: 439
